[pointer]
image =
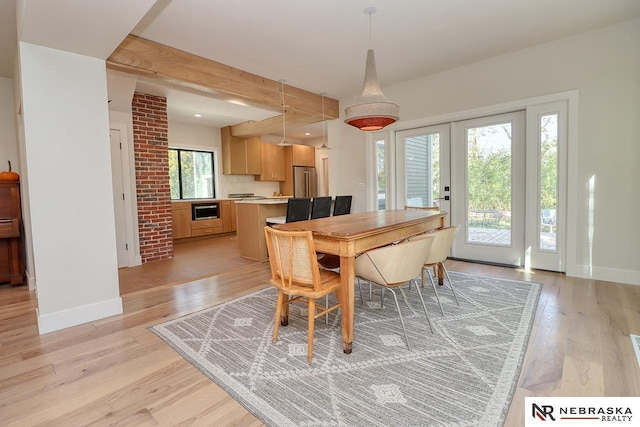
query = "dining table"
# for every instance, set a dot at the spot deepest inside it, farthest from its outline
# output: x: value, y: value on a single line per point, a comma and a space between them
x: 347, y: 236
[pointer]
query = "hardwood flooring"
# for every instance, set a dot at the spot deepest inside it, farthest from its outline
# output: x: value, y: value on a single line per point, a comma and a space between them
x: 115, y: 372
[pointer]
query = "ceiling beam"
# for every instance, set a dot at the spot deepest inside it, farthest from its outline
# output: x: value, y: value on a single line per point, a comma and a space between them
x: 147, y: 58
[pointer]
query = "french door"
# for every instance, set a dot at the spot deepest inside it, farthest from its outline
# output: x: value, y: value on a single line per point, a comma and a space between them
x: 488, y: 187
x: 505, y: 187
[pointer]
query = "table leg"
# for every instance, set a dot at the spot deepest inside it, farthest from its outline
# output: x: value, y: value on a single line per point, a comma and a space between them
x: 347, y: 301
x: 440, y: 274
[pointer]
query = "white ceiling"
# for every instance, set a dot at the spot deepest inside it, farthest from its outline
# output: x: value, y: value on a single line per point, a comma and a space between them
x: 320, y: 46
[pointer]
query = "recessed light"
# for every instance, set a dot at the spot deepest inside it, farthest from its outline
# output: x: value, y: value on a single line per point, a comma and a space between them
x: 307, y: 133
x: 197, y: 115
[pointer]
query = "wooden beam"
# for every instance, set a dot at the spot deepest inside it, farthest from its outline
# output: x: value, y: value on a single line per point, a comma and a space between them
x: 274, y: 124
x: 144, y: 57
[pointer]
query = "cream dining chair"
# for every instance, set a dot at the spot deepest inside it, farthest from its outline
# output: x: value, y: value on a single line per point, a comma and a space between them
x: 442, y: 242
x: 295, y: 272
x: 394, y: 266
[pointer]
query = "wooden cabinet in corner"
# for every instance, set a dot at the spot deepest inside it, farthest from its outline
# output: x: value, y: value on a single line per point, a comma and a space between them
x: 240, y: 156
x: 181, y: 219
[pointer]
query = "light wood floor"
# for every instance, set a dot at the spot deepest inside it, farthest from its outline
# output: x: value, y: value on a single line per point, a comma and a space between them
x: 114, y: 371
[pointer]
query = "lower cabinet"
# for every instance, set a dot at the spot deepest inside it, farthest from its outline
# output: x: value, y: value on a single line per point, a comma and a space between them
x: 181, y: 219
x: 205, y: 227
x: 183, y: 225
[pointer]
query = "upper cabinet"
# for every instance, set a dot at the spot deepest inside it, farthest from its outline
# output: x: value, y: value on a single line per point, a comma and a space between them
x: 303, y: 155
x: 272, y: 159
x: 240, y: 156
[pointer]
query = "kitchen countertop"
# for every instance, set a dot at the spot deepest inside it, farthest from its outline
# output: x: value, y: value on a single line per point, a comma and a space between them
x: 277, y: 201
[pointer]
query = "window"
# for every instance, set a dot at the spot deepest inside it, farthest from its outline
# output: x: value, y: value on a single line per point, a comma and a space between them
x: 191, y: 174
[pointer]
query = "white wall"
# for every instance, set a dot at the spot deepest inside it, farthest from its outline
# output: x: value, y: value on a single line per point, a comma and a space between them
x: 64, y: 99
x: 8, y: 142
x: 604, y: 66
x: 197, y: 137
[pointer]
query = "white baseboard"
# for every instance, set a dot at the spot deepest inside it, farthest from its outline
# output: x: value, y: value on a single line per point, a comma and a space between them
x: 631, y: 277
x: 78, y: 315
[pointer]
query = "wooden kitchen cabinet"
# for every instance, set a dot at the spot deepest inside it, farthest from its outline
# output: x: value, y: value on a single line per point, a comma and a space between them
x: 240, y: 156
x: 181, y: 219
x: 272, y: 162
x: 183, y: 225
x: 11, y: 252
x: 228, y: 214
x: 303, y: 155
x: 295, y: 155
x: 206, y: 227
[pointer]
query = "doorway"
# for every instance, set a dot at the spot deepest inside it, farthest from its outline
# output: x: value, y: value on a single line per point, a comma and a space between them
x: 119, y: 197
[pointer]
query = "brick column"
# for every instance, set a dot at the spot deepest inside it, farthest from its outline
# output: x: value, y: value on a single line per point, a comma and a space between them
x: 151, y: 144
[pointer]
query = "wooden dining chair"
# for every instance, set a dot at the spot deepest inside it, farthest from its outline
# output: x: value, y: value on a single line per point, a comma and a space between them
x: 394, y: 266
x: 442, y: 242
x: 295, y: 272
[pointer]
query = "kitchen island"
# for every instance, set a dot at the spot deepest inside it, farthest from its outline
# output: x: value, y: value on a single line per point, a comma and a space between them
x: 251, y: 219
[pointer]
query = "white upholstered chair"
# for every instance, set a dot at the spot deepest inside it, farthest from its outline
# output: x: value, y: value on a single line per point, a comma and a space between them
x: 394, y: 266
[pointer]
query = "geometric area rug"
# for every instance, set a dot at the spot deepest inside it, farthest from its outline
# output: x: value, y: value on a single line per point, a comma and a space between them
x: 462, y: 374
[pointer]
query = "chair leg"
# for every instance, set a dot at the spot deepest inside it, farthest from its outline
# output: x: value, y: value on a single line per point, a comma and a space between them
x: 278, y: 313
x: 312, y: 318
x: 326, y: 305
x: 436, y: 292
x: 406, y: 300
x: 425, y: 309
x: 446, y: 272
x: 406, y: 337
x: 360, y: 290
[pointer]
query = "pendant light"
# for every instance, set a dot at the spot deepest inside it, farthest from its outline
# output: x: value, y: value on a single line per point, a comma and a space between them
x: 284, y: 118
x: 373, y: 111
x: 324, y: 145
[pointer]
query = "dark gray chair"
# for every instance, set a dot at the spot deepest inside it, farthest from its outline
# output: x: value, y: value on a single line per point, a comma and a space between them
x: 321, y: 207
x: 298, y: 209
x: 342, y: 206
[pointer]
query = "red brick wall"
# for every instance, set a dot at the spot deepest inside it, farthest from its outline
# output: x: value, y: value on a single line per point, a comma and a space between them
x: 151, y: 144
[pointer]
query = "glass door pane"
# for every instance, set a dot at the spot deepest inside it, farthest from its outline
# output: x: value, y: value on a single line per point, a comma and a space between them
x: 423, y: 167
x: 381, y: 174
x: 489, y: 186
x: 548, y: 182
x: 487, y: 197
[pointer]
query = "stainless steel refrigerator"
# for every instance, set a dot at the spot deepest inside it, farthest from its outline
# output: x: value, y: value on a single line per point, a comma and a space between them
x: 304, y: 181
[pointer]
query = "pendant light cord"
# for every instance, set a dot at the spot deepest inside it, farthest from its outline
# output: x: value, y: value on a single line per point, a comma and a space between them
x: 284, y: 116
x: 370, y: 11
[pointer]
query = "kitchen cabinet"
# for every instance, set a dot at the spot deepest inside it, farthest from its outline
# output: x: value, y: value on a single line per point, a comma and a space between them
x: 206, y: 227
x: 272, y: 162
x: 240, y: 156
x: 184, y: 226
x: 295, y: 155
x: 181, y: 219
x: 11, y: 252
x: 252, y: 218
x: 303, y: 155
x: 228, y: 215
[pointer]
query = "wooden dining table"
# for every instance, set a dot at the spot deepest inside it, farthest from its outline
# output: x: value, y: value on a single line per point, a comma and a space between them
x: 350, y: 235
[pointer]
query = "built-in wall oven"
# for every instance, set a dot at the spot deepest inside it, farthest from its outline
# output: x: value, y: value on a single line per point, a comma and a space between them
x: 208, y: 210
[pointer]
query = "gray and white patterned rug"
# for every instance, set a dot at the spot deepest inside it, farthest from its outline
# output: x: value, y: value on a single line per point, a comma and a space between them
x: 464, y: 374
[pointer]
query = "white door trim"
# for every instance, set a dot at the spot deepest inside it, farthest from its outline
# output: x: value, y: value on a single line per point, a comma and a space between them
x: 129, y: 188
